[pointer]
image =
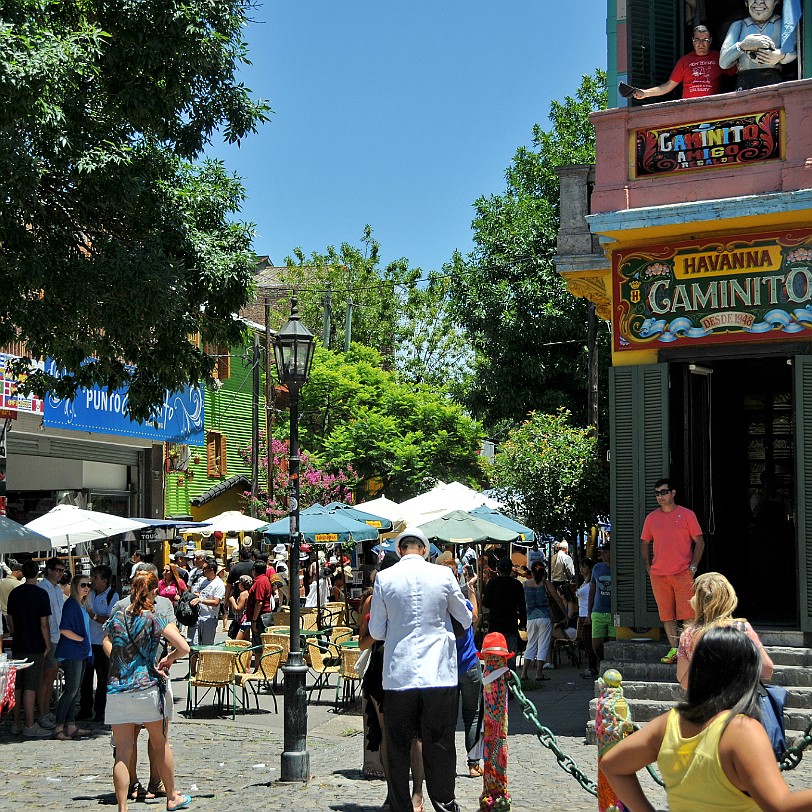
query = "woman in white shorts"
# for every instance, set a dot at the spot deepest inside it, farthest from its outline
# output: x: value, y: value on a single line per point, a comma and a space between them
x: 137, y: 692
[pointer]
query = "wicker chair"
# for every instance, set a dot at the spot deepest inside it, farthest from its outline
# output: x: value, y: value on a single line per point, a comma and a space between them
x: 339, y: 634
x: 348, y: 676
x: 572, y: 648
x: 325, y: 659
x: 215, y: 671
x: 278, y: 639
x: 265, y: 674
x: 309, y: 619
x: 281, y: 619
x: 242, y: 662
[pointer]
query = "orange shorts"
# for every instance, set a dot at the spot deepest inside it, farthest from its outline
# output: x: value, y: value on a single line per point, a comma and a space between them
x: 673, y: 594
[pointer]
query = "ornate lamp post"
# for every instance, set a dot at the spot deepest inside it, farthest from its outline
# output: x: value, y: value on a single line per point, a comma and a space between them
x: 293, y: 348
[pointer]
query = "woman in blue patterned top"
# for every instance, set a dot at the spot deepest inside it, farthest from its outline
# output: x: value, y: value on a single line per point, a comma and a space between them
x: 137, y: 686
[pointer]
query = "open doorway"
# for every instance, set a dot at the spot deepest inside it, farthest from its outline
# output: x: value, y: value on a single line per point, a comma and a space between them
x: 733, y: 452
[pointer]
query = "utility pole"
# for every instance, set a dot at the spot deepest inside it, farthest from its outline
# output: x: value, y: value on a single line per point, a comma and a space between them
x: 326, y: 319
x: 269, y: 400
x: 348, y: 326
x: 255, y: 426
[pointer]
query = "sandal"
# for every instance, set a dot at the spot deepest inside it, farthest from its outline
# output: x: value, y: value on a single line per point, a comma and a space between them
x: 61, y: 736
x: 136, y: 791
x: 475, y: 771
x: 156, y: 790
x: 184, y: 803
x: 80, y: 732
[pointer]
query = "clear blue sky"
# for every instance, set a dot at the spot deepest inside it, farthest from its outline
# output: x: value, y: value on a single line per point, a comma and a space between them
x: 399, y: 113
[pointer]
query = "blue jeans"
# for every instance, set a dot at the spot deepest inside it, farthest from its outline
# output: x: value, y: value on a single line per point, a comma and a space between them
x: 473, y: 712
x: 66, y: 709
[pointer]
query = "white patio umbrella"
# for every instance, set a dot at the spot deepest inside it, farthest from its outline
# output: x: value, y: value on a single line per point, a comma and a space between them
x: 232, y: 521
x: 16, y: 538
x: 67, y: 526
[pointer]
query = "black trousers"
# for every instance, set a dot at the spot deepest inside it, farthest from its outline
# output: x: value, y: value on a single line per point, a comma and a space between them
x: 101, y: 668
x: 432, y: 712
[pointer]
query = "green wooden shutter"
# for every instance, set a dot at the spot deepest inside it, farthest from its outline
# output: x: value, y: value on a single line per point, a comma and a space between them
x: 802, y: 370
x: 654, y: 40
x: 638, y: 457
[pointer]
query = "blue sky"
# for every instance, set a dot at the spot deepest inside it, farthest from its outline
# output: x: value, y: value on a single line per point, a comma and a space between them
x: 398, y: 114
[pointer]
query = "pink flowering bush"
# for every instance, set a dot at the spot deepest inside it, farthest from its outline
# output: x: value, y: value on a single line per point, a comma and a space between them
x: 317, y: 485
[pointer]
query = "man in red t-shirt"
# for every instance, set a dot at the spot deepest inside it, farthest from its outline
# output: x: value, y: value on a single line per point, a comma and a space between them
x: 678, y: 548
x: 699, y: 72
x: 260, y: 603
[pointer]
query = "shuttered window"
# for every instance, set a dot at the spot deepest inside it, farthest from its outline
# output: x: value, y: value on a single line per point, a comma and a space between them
x: 638, y: 457
x: 216, y: 464
x: 802, y: 370
x: 654, y: 40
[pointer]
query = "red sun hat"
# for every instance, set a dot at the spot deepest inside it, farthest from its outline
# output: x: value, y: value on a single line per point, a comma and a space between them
x: 494, y: 644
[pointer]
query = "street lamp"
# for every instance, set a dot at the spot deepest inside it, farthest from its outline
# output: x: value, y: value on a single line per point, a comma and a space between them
x: 293, y: 349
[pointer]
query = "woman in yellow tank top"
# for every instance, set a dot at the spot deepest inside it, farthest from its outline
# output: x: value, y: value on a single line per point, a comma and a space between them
x: 712, y: 751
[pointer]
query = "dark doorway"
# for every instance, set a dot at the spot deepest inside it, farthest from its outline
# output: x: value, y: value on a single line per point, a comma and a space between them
x: 731, y: 434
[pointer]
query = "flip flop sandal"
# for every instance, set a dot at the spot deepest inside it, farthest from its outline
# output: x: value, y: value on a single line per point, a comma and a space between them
x: 185, y: 803
x: 81, y: 732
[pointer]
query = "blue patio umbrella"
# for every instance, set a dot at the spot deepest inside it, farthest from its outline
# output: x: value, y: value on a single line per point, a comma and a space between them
x: 320, y: 527
x: 526, y: 533
x: 379, y: 522
x: 388, y: 546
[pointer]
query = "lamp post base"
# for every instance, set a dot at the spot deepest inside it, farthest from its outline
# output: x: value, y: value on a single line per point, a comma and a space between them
x: 295, y: 758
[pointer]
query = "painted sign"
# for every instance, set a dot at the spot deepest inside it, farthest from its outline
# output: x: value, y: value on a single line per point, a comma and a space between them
x: 739, y: 288
x: 12, y: 391
x: 326, y: 537
x: 746, y: 139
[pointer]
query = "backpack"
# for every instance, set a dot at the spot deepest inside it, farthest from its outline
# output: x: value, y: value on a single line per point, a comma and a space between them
x: 185, y: 613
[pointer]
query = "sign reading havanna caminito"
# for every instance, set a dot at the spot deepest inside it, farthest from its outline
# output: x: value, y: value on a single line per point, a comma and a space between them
x: 746, y: 139
x: 740, y: 288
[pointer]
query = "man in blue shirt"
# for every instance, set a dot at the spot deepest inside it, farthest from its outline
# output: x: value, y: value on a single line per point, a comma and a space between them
x: 600, y: 601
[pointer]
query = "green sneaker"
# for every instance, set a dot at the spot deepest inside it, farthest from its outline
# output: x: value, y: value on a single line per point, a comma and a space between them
x: 670, y: 658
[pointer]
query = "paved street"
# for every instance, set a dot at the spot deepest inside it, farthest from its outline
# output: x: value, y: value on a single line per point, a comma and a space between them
x: 226, y: 764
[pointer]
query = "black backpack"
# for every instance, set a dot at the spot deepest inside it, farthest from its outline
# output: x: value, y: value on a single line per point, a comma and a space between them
x: 185, y: 613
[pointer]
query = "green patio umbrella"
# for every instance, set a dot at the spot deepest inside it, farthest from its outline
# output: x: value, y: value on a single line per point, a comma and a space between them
x: 459, y: 527
x: 491, y: 515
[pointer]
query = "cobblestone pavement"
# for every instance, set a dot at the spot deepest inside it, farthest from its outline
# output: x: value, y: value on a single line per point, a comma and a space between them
x: 226, y: 764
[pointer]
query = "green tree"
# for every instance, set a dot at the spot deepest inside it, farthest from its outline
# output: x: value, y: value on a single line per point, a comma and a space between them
x: 399, y: 435
x: 528, y: 332
x: 114, y: 244
x: 547, y: 470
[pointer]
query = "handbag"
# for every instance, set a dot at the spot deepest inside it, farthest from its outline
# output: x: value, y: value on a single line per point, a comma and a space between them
x: 771, y: 701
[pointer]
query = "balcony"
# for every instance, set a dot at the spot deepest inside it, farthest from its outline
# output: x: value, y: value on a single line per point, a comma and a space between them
x: 641, y: 164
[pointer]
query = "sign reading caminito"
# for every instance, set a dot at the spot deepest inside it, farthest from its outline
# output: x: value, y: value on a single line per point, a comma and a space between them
x: 708, y: 144
x: 739, y: 288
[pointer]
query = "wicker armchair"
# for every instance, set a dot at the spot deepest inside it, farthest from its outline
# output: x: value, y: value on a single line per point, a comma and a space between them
x: 339, y: 634
x: 348, y: 676
x: 281, y: 619
x: 309, y: 619
x: 215, y: 671
x: 265, y: 674
x: 325, y: 659
x: 242, y: 661
x: 278, y: 639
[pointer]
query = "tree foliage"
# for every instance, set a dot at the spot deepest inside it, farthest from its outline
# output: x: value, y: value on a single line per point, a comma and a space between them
x: 400, y: 436
x: 114, y: 245
x: 528, y: 332
x: 548, y: 471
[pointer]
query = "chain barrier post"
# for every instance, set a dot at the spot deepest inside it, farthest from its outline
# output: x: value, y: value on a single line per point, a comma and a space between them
x: 495, y: 796
x: 613, y: 722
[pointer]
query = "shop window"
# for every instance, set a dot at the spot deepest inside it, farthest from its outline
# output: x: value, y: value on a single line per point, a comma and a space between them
x: 216, y: 454
x: 177, y: 457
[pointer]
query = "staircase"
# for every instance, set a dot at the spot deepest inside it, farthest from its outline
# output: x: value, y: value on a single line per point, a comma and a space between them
x: 652, y: 688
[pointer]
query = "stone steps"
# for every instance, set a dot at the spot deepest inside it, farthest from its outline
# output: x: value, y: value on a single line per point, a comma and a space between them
x: 651, y: 687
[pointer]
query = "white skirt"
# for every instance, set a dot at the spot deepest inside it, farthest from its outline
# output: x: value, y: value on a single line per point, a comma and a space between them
x: 137, y: 707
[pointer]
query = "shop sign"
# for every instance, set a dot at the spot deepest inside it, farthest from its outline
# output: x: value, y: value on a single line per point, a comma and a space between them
x: 741, y: 288
x: 326, y: 537
x: 178, y: 419
x: 738, y: 141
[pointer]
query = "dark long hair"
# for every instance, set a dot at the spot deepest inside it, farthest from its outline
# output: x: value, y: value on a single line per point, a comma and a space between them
x: 723, y: 675
x: 539, y: 571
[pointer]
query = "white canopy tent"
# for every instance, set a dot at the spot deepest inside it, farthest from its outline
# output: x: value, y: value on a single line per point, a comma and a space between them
x: 443, y: 499
x: 387, y: 509
x: 232, y: 521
